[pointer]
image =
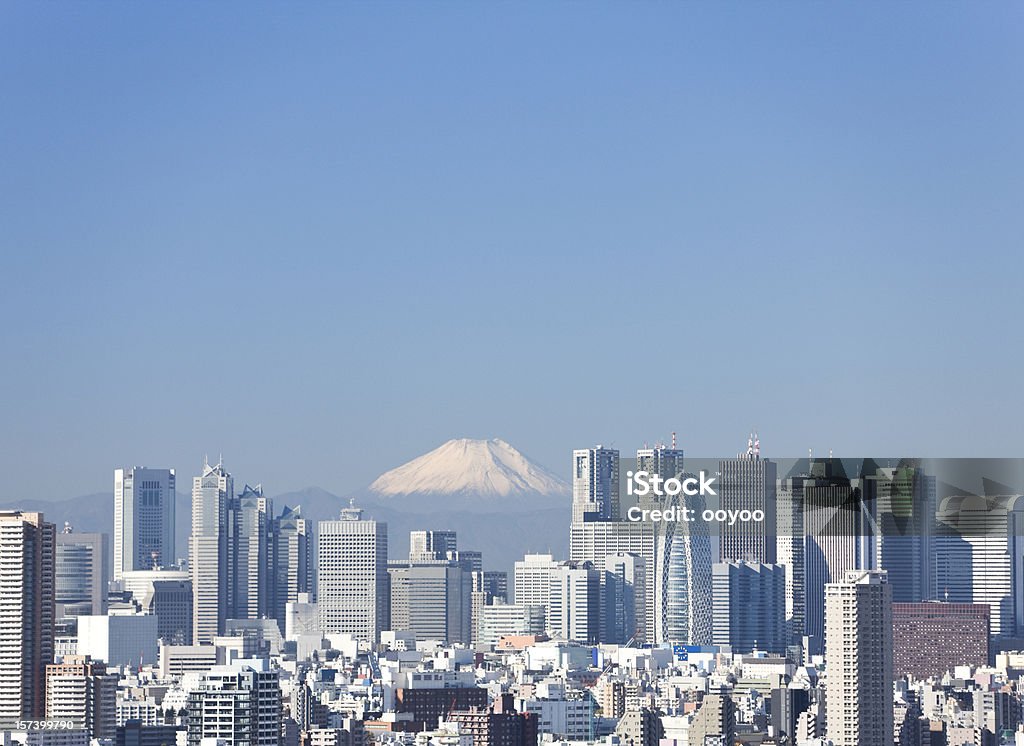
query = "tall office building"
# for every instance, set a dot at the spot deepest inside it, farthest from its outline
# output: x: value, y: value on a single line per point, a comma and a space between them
x: 595, y: 484
x: 250, y: 514
x: 904, y: 498
x: 143, y: 519
x: 574, y: 603
x: 79, y: 690
x: 750, y: 606
x: 622, y: 597
x: 496, y: 584
x: 838, y: 529
x: 291, y: 562
x: 432, y: 601
x: 28, y: 549
x: 432, y: 592
x: 352, y: 580
x: 239, y: 704
x: 789, y: 496
x: 532, y: 579
x: 212, y: 494
x: 979, y: 548
x: 685, y: 599
x: 748, y: 483
x: 858, y: 660
x: 81, y: 573
x: 660, y: 460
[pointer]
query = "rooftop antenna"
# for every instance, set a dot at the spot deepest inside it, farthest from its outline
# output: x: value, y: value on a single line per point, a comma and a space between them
x: 673, y: 440
x: 810, y: 454
x: 757, y: 445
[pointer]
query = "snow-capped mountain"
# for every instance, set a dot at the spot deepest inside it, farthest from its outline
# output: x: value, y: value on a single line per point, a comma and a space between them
x: 464, y: 467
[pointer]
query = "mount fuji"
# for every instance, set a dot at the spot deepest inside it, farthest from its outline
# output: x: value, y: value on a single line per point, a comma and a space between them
x: 496, y: 499
x: 486, y: 469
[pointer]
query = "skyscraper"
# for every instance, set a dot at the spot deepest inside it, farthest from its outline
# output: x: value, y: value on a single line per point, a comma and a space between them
x: 904, y: 497
x: 432, y: 592
x: 27, y: 608
x: 748, y: 483
x: 532, y: 579
x: 574, y: 603
x: 291, y: 562
x: 432, y: 600
x: 143, y: 518
x: 837, y: 527
x: 250, y: 514
x: 979, y: 548
x: 81, y: 573
x: 685, y: 598
x: 352, y: 581
x: 622, y: 597
x: 212, y: 494
x: 858, y: 660
x: 595, y: 484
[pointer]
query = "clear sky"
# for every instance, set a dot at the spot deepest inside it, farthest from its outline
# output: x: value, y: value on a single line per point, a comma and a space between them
x: 324, y: 238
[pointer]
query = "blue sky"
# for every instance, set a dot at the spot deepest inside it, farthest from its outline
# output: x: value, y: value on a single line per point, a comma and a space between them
x: 323, y: 239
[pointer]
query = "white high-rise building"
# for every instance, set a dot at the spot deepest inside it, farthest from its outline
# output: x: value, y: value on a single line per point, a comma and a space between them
x: 978, y: 544
x: 683, y: 600
x: 352, y: 580
x: 27, y: 607
x: 574, y: 603
x: 858, y: 660
x: 212, y: 493
x: 532, y: 579
x: 239, y: 705
x: 250, y: 514
x: 143, y: 519
x: 595, y: 484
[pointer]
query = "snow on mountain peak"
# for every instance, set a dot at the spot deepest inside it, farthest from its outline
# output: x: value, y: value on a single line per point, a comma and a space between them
x: 490, y: 468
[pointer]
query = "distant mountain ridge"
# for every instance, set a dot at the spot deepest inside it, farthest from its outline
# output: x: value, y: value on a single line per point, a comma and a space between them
x: 498, y: 501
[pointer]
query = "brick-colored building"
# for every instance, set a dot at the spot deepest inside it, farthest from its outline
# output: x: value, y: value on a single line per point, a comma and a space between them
x: 932, y: 637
